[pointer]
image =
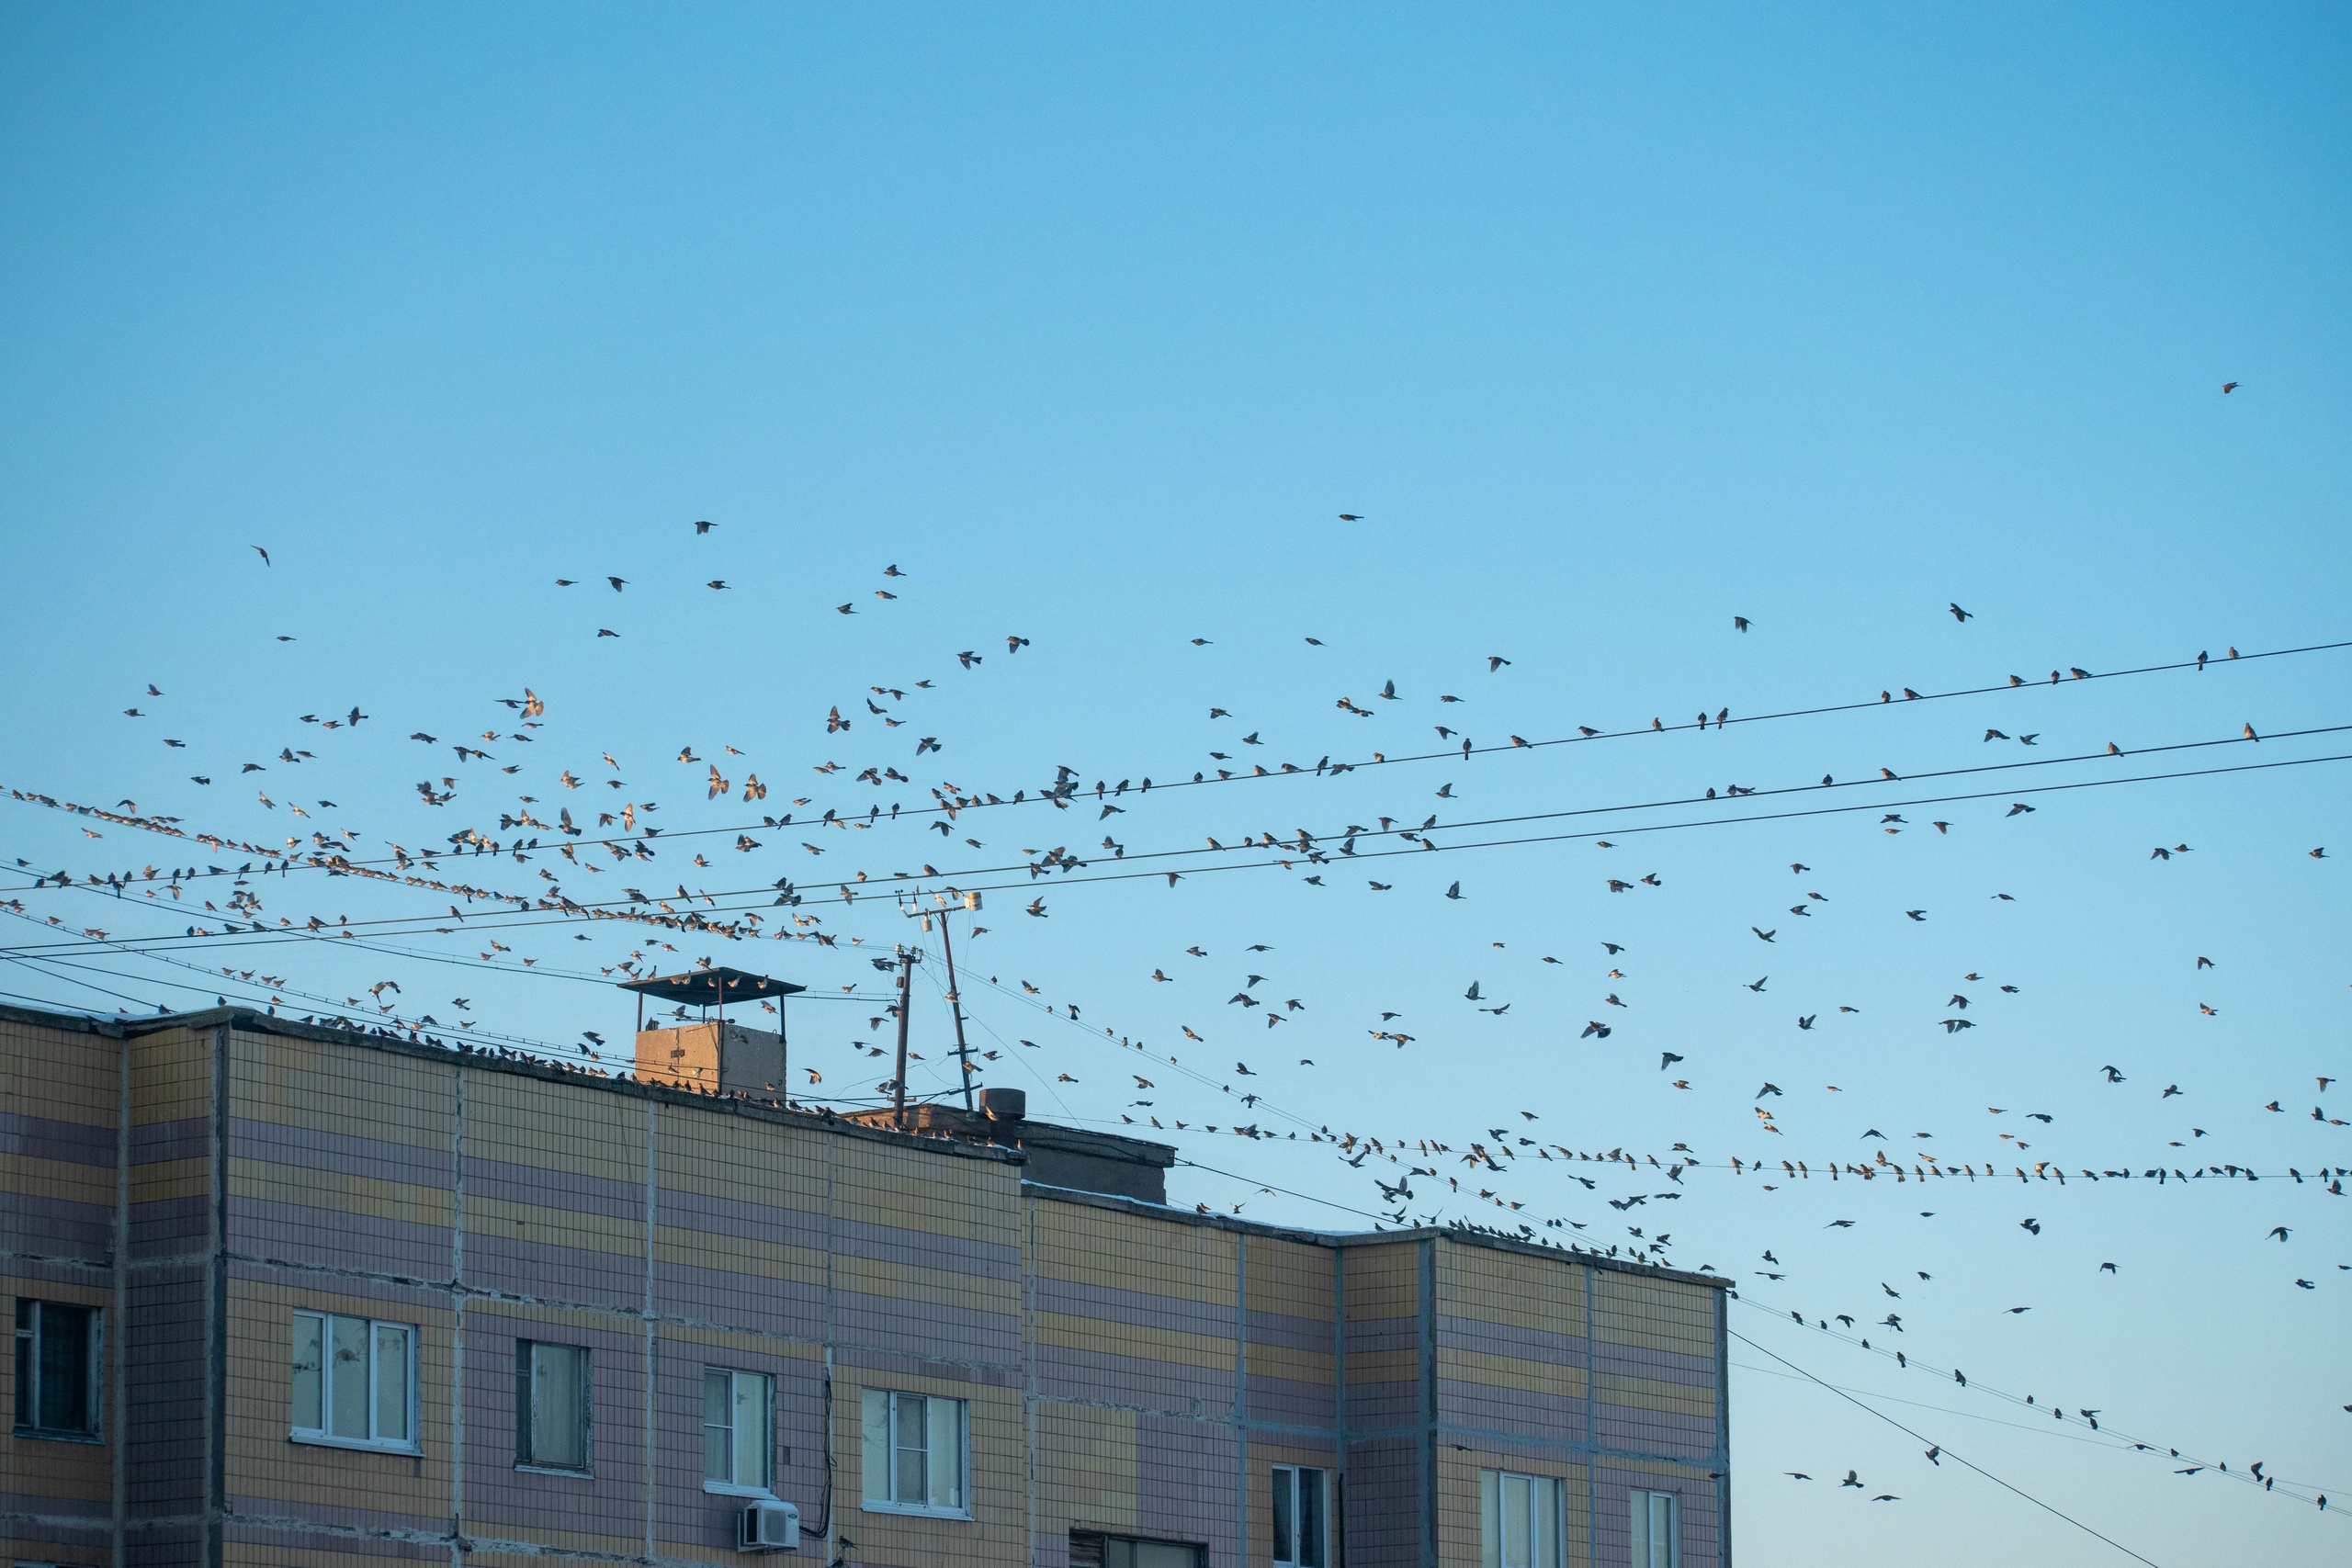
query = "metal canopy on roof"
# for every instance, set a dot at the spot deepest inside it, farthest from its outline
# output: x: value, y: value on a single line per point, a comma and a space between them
x: 712, y: 987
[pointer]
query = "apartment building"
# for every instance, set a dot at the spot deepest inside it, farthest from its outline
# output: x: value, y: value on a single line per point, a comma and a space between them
x: 306, y: 1296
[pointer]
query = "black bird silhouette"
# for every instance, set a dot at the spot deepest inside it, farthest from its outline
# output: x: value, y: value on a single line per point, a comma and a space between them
x: 1960, y: 614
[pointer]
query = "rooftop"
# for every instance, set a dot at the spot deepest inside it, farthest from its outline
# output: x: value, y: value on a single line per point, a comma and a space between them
x: 938, y: 1136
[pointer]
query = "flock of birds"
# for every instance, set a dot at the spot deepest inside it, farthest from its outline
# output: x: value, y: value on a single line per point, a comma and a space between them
x: 622, y: 831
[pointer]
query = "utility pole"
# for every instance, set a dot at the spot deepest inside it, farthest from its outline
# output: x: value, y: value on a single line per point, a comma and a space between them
x: 913, y: 911
x: 955, y: 1006
x: 907, y: 956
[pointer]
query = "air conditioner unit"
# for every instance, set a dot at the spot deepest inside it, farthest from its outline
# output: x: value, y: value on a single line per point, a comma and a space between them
x: 768, y: 1526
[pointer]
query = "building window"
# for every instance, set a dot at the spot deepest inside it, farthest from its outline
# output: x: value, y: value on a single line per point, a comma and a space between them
x: 550, y: 1406
x: 1519, y: 1520
x: 354, y: 1381
x: 1088, y: 1548
x: 57, y: 1370
x: 1657, y: 1530
x: 1299, y: 1516
x: 914, y: 1453
x: 737, y: 1422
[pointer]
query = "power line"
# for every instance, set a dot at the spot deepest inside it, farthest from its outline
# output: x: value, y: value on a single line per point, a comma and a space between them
x: 2121, y: 1439
x: 1946, y: 1452
x: 488, y: 922
x: 984, y: 801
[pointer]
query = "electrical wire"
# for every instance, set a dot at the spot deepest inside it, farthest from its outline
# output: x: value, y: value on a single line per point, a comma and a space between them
x: 487, y: 922
x: 2012, y: 684
x: 1946, y: 1452
x: 2116, y: 1436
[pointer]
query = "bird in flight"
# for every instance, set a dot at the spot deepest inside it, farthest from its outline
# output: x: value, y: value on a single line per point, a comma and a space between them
x: 2228, y: 387
x: 263, y: 553
x: 703, y: 526
x: 1358, y: 517
x: 1960, y: 614
x: 1739, y: 623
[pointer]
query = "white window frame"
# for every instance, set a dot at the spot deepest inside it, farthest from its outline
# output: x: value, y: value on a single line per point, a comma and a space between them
x: 733, y: 1486
x: 526, y: 1417
x: 1655, y: 1515
x: 1545, y: 1494
x: 888, y: 1400
x: 323, y: 1434
x: 1292, y: 1482
x: 29, y: 1335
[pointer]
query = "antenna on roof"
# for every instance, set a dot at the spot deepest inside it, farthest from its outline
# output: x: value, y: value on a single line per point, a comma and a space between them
x: 950, y: 899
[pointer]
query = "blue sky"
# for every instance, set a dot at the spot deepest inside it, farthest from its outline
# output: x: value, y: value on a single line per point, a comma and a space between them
x: 1093, y: 321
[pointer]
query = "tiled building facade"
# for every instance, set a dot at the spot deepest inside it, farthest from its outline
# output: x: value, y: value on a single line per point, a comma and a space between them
x: 340, y: 1299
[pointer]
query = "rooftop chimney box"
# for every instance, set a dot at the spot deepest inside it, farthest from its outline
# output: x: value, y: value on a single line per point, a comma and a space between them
x: 712, y: 1053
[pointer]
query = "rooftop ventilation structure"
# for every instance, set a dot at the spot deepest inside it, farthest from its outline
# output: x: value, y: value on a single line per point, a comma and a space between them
x: 711, y: 1053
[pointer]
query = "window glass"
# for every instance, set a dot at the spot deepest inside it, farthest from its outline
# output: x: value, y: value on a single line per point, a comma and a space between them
x: 1517, y: 1507
x: 56, y: 1368
x: 1310, y: 1519
x: 557, y: 1436
x: 912, y: 1451
x: 391, y: 1381
x: 1654, y: 1530
x: 908, y: 1453
x: 1298, y: 1515
x: 1519, y: 1520
x: 944, y: 1418
x: 752, y: 1424
x: 1126, y: 1552
x: 875, y: 1431
x: 717, y: 1426
x: 352, y: 1378
x: 735, y: 1424
x: 347, y: 1378
x: 310, y: 1337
